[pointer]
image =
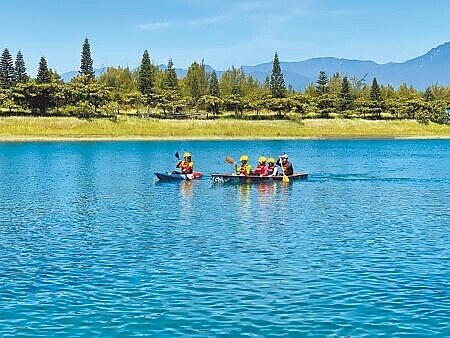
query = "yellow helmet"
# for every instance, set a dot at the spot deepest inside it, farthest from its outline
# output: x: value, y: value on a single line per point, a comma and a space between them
x: 244, y: 158
x: 262, y: 159
x: 271, y: 160
x: 186, y: 155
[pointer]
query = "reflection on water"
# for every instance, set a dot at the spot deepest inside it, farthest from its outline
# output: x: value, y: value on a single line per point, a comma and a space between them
x: 186, y: 191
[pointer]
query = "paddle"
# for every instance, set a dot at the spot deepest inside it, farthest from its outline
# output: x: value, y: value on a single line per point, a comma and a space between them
x: 179, y: 159
x: 228, y: 159
x: 285, y: 179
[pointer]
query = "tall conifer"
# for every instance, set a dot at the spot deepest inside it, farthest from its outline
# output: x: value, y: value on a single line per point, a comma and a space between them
x: 6, y: 70
x: 375, y: 91
x: 345, y: 94
x: 146, y: 77
x: 20, y: 71
x: 213, y: 85
x: 322, y: 83
x: 277, y: 85
x: 170, y: 76
x: 43, y: 75
x: 87, y: 64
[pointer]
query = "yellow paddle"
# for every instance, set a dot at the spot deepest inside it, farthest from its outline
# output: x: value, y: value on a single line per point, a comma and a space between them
x: 228, y: 159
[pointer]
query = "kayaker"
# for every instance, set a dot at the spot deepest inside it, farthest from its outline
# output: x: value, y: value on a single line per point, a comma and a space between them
x: 244, y: 169
x: 186, y: 165
x: 271, y: 167
x: 286, y: 166
x: 261, y: 168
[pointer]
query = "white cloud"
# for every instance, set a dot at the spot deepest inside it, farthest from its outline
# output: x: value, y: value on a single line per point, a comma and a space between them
x: 154, y: 26
x: 195, y: 22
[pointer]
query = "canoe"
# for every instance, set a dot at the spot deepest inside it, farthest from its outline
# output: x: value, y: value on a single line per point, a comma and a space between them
x: 233, y: 178
x: 178, y: 177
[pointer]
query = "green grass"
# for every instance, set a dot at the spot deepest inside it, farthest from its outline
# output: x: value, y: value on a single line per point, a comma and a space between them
x: 127, y: 127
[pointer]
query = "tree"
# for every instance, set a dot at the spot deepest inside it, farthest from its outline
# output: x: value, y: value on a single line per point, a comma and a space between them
x: 43, y: 75
x: 146, y: 77
x: 345, y: 95
x: 277, y: 85
x: 20, y: 71
x: 233, y: 82
x: 6, y: 70
x: 375, y: 91
x: 86, y: 67
x: 195, y: 80
x: 322, y: 83
x: 428, y: 95
x: 213, y: 85
x: 170, y: 77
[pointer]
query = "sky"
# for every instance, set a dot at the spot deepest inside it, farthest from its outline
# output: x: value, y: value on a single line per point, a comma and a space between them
x: 221, y: 32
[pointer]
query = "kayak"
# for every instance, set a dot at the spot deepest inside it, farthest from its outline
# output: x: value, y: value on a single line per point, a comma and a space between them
x: 178, y: 177
x: 233, y: 178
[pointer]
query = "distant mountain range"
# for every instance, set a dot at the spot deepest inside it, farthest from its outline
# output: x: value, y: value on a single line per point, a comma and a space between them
x: 420, y: 72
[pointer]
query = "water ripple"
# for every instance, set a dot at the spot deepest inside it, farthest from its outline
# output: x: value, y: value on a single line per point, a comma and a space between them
x: 92, y: 246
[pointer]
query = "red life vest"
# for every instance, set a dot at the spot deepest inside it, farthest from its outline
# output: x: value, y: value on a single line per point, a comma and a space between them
x: 260, y: 169
x: 186, y: 167
x: 270, y: 169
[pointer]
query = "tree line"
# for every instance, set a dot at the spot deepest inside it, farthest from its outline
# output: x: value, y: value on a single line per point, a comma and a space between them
x: 153, y: 92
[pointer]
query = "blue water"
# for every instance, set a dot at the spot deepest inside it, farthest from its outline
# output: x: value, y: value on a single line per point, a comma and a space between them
x: 91, y: 245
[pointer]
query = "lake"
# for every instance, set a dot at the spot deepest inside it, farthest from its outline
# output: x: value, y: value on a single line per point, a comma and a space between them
x: 92, y: 245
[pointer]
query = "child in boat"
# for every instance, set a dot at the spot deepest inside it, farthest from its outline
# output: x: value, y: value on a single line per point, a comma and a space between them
x: 272, y: 169
x: 261, y: 168
x: 186, y: 165
x: 286, y: 166
x: 245, y: 168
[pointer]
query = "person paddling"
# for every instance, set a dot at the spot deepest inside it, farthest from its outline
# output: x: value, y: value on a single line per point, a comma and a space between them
x: 244, y: 169
x: 271, y: 167
x: 285, y: 165
x: 186, y: 165
x: 261, y: 168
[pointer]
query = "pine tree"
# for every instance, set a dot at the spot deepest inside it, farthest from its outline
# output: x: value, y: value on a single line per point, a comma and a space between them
x: 213, y: 85
x: 43, y: 75
x: 322, y: 83
x: 193, y: 80
x: 170, y: 77
x: 277, y: 85
x: 375, y: 91
x: 20, y: 71
x: 146, y: 77
x: 6, y: 70
x: 87, y: 67
x: 345, y: 95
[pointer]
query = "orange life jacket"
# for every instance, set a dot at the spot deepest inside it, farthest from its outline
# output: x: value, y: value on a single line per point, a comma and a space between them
x: 243, y: 169
x: 186, y: 167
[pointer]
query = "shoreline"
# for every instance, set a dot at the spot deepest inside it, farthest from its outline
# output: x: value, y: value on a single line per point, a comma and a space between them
x: 18, y: 139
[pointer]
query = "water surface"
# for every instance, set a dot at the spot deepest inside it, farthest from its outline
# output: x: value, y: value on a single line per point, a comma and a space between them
x: 92, y: 245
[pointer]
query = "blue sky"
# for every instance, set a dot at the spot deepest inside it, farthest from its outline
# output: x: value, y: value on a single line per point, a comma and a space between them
x: 222, y: 32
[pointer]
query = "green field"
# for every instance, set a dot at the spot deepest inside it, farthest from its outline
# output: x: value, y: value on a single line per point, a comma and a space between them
x: 22, y: 128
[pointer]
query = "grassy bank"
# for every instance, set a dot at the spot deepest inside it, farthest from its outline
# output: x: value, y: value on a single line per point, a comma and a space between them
x: 18, y: 128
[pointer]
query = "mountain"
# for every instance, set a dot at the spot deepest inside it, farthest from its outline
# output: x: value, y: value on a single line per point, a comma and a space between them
x: 420, y: 72
x: 66, y: 77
